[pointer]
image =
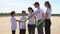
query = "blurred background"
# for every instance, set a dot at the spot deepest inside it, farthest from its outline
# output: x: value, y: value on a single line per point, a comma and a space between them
x: 6, y: 6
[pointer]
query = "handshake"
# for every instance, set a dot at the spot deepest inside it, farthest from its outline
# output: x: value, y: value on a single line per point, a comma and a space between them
x: 24, y: 20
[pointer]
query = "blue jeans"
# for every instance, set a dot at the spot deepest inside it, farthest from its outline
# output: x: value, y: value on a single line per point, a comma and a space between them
x: 40, y: 28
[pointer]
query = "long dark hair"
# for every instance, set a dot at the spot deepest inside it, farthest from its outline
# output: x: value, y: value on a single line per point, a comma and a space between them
x: 49, y: 5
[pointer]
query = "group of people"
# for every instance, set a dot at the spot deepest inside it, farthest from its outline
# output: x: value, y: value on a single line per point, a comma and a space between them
x: 35, y: 17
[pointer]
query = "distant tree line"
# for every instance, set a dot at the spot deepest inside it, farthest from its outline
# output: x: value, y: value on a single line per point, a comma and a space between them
x: 19, y: 14
x: 8, y: 14
x: 55, y: 14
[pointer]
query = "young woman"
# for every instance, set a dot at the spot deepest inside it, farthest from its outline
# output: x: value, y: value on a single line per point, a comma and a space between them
x: 47, y: 17
x: 31, y: 22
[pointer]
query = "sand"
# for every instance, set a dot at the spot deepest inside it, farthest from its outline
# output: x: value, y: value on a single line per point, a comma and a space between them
x: 5, y: 25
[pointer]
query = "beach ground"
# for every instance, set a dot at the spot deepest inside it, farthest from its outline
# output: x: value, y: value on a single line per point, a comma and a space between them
x: 5, y: 25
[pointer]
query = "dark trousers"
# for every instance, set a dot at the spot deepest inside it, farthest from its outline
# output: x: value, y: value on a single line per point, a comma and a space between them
x: 47, y: 26
x: 13, y: 31
x: 31, y: 29
x: 40, y: 28
x: 22, y: 31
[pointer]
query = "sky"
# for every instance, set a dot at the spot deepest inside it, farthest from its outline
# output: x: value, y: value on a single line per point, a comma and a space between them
x: 6, y: 6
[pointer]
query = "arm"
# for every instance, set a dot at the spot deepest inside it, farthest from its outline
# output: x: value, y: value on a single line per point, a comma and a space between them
x: 43, y: 14
x: 31, y: 16
x: 18, y: 21
x: 35, y: 19
x: 46, y: 15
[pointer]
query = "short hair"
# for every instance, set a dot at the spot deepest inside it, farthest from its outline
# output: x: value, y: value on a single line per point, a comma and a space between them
x: 12, y: 13
x: 36, y: 3
x: 23, y: 11
x: 29, y: 8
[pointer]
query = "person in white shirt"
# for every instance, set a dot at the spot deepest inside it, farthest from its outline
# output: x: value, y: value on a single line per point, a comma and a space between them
x: 31, y: 21
x: 13, y: 22
x: 47, y: 17
x: 23, y: 24
x: 40, y: 16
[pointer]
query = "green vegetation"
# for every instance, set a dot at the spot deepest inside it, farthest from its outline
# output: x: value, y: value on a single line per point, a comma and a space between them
x: 19, y: 14
x: 8, y: 14
x: 55, y: 14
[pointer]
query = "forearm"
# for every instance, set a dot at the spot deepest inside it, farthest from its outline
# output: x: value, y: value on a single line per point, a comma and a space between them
x: 31, y: 16
x: 35, y: 19
x: 46, y: 15
x: 18, y: 21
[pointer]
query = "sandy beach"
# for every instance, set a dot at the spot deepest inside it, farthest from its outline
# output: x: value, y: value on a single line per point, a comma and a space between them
x: 5, y: 25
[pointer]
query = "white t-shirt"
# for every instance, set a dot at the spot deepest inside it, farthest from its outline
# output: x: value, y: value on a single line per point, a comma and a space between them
x: 31, y: 21
x: 13, y: 23
x: 22, y: 24
x: 38, y: 13
x: 49, y: 13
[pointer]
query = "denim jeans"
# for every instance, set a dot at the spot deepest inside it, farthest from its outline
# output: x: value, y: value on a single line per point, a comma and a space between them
x: 40, y: 28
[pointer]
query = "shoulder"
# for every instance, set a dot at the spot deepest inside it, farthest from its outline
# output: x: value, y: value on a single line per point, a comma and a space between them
x: 21, y: 17
x: 48, y: 9
x: 35, y: 9
x: 41, y: 9
x: 25, y: 16
x: 28, y: 13
x: 13, y: 18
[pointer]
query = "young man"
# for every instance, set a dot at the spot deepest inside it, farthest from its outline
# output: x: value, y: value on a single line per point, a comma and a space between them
x: 40, y: 15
